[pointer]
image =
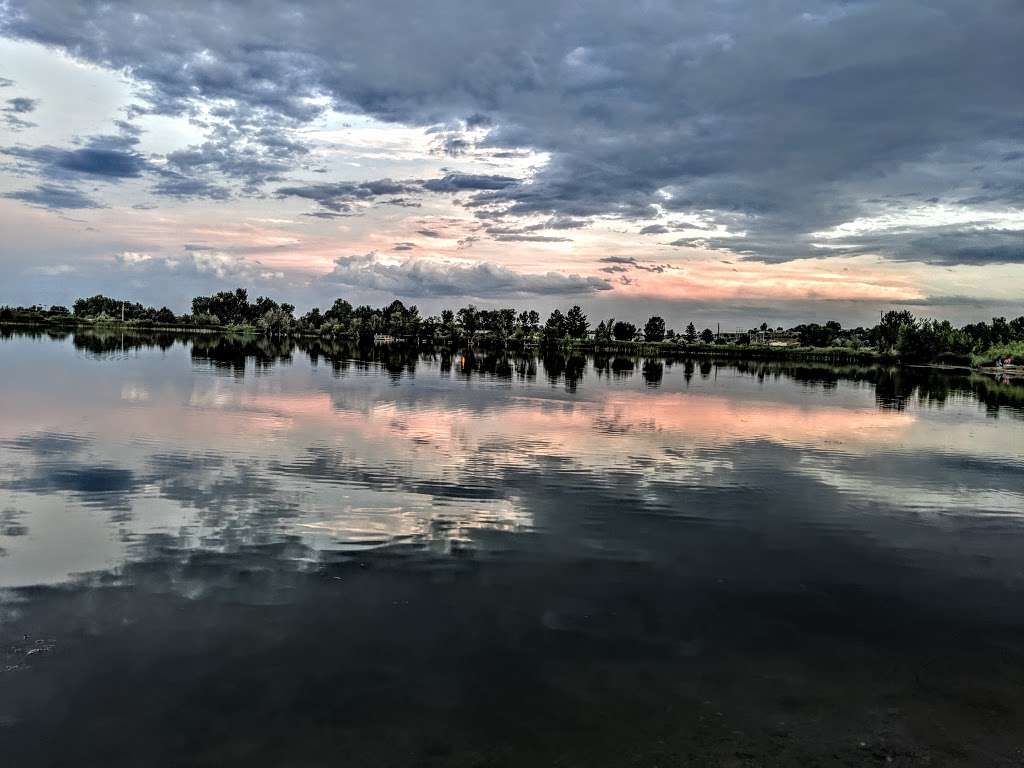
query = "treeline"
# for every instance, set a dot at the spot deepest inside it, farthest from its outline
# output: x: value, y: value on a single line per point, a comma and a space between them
x: 898, y: 333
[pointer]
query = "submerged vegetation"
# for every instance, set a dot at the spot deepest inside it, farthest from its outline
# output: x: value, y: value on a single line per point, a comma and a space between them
x: 898, y: 334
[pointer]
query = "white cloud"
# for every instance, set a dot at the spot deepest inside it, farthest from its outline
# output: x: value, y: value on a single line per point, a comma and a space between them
x: 425, y: 277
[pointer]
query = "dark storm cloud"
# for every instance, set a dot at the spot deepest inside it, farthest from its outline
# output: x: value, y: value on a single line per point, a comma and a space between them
x: 251, y: 148
x: 478, y: 120
x: 89, y: 161
x: 784, y: 118
x: 101, y: 162
x: 342, y: 196
x: 21, y: 105
x: 627, y: 263
x: 454, y: 145
x: 55, y: 197
x: 941, y: 245
x: 402, y: 202
x: 655, y: 229
x: 252, y: 167
x: 521, y: 238
x: 109, y: 157
x: 526, y: 232
x: 15, y: 123
x: 992, y: 246
x: 417, y: 278
x: 461, y: 182
x: 328, y: 215
x: 172, y: 184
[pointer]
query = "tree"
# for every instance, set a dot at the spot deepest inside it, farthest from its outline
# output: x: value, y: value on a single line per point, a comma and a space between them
x: 691, y: 333
x: 654, y: 329
x: 469, y: 319
x: 448, y: 322
x: 505, y: 322
x: 528, y: 322
x: 394, y: 318
x: 603, y: 332
x: 623, y: 331
x: 429, y: 327
x: 554, y: 328
x: 707, y: 336
x: 926, y: 340
x: 276, y: 322
x: 312, y: 320
x: 340, y: 312
x: 576, y: 325
x: 887, y: 333
x: 165, y: 316
x: 815, y: 335
x: 231, y: 307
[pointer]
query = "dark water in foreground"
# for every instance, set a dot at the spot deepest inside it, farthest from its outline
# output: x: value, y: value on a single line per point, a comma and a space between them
x: 238, y: 555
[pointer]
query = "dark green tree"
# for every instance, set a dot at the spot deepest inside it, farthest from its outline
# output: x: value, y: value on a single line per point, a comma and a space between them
x: 576, y: 325
x: 229, y: 307
x: 448, y: 322
x: 654, y: 329
x: 312, y: 320
x: 887, y: 333
x: 527, y: 324
x: 554, y: 328
x: 340, y: 312
x: 623, y: 331
x: 504, y: 323
x: 469, y: 320
x: 165, y: 316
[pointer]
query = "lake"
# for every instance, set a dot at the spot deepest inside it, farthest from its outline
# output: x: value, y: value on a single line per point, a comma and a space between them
x: 219, y: 551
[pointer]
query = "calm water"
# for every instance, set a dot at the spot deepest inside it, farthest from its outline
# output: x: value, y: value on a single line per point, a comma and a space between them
x: 226, y: 554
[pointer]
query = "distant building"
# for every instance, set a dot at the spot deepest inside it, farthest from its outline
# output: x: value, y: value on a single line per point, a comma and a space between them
x: 775, y: 338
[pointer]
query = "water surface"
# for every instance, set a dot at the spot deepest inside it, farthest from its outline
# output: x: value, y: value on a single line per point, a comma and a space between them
x: 223, y: 552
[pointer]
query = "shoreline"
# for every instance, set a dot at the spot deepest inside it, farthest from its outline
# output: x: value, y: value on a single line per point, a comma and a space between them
x: 667, y: 349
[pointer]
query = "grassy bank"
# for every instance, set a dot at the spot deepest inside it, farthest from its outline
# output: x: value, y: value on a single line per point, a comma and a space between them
x: 745, y: 351
x: 1013, y: 350
x: 71, y: 323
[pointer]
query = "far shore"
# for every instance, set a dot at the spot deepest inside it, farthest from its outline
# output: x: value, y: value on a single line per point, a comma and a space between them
x: 667, y: 348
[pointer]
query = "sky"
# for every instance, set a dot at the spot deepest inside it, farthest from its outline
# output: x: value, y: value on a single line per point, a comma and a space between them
x: 725, y: 161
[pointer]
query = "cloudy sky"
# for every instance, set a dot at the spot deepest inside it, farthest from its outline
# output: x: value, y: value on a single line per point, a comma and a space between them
x: 729, y: 160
